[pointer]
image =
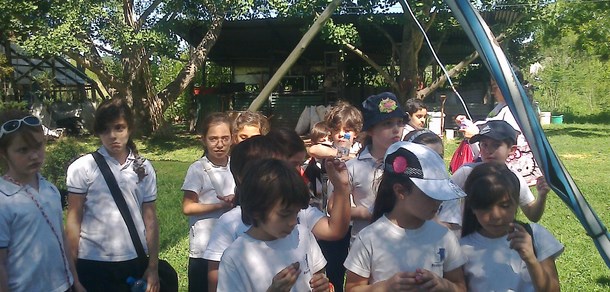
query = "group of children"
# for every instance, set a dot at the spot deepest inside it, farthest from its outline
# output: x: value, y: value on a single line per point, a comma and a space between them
x: 254, y: 223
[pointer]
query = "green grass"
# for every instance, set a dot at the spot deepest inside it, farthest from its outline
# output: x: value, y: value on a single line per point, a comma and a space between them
x: 583, y: 149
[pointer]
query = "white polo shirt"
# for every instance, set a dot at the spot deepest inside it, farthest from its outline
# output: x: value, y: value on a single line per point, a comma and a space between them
x: 250, y: 264
x: 35, y: 261
x: 104, y: 235
x: 197, y: 180
x: 230, y: 226
x: 363, y: 171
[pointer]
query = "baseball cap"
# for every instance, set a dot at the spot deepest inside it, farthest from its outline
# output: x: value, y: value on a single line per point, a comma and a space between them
x: 424, y: 167
x: 380, y: 107
x: 498, y: 130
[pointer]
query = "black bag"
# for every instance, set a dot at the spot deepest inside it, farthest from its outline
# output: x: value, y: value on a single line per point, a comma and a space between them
x: 168, y: 278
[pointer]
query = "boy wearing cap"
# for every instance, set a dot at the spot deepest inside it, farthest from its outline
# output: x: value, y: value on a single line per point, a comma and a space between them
x: 497, y: 141
x: 404, y: 249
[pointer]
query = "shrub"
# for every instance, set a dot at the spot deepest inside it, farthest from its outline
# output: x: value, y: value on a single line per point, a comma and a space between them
x: 59, y: 155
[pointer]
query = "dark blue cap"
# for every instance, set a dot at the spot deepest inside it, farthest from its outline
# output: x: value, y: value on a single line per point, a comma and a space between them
x: 380, y: 107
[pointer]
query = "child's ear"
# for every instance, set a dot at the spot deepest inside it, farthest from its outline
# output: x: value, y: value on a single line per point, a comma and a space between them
x: 513, y: 149
x: 399, y: 190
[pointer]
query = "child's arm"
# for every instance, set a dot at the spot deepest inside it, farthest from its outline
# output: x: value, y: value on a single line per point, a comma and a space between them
x: 544, y: 274
x: 213, y: 275
x: 3, y: 272
x: 192, y: 207
x: 78, y: 287
x: 402, y: 281
x: 319, y: 282
x: 533, y: 211
x: 149, y: 214
x: 74, y: 218
x: 336, y: 226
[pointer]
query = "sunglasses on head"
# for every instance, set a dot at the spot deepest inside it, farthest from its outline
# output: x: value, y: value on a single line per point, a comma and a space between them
x: 13, y: 125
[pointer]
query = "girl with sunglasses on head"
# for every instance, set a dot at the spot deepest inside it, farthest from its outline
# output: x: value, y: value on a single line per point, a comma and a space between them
x: 32, y: 242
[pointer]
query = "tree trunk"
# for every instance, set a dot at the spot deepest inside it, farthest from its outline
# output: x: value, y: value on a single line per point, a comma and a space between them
x: 409, y: 60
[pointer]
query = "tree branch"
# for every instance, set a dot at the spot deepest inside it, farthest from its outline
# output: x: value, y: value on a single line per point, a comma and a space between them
x: 197, y: 58
x: 375, y: 66
x: 147, y: 13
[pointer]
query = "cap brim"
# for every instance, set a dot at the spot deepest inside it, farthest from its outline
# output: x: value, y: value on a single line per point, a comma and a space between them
x: 439, y: 189
x: 476, y: 138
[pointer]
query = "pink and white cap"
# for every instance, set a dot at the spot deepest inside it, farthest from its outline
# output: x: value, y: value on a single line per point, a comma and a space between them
x: 424, y: 167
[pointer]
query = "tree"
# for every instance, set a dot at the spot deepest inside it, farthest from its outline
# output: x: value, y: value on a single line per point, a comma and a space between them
x: 130, y: 34
x: 404, y: 69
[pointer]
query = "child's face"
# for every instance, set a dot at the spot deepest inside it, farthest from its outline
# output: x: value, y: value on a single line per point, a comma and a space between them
x: 297, y: 160
x: 217, y: 142
x: 418, y: 119
x: 338, y: 136
x: 420, y: 206
x: 115, y: 137
x: 495, y: 220
x: 246, y: 132
x: 278, y: 223
x: 387, y: 132
x: 494, y: 150
x: 25, y: 160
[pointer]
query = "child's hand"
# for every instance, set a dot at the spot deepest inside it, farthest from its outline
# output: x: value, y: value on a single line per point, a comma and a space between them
x: 542, y: 187
x: 319, y: 283
x: 521, y: 242
x: 337, y: 173
x: 284, y: 280
x: 402, y: 281
x: 228, y: 201
x: 429, y: 281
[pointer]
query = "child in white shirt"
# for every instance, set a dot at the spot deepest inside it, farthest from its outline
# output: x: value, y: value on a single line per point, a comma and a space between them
x: 404, y: 249
x: 281, y: 255
x: 502, y: 254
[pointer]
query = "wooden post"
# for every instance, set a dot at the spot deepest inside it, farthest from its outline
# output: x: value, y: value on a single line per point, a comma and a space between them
x: 294, y: 55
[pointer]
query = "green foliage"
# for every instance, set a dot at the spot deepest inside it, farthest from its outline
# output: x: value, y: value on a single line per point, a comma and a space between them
x: 571, y: 83
x: 59, y: 155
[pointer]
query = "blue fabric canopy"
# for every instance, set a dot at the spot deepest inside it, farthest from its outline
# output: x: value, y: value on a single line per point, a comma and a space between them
x: 555, y: 173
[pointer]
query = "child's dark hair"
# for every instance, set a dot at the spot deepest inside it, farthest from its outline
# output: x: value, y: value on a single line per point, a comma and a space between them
x: 414, y: 104
x: 424, y: 137
x: 248, y: 118
x: 257, y: 147
x: 267, y: 182
x: 287, y: 140
x: 386, y: 198
x: 346, y: 115
x: 26, y: 131
x: 111, y: 110
x: 487, y: 183
x: 214, y: 118
x: 319, y: 130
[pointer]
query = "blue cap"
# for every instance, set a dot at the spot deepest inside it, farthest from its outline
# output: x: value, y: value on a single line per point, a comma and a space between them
x: 380, y: 107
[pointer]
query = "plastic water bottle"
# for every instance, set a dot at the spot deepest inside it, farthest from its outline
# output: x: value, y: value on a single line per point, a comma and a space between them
x: 136, y: 285
x: 344, y: 151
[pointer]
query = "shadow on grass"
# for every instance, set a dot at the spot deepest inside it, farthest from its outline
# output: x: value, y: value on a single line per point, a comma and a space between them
x: 159, y: 146
x: 600, y: 118
x: 603, y: 281
x: 578, y: 131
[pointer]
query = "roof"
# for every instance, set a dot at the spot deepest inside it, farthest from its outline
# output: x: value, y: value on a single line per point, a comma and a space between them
x: 266, y: 42
x: 27, y: 68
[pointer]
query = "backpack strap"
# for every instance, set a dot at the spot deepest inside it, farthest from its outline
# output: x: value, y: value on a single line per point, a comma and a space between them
x: 207, y: 167
x: 117, y: 195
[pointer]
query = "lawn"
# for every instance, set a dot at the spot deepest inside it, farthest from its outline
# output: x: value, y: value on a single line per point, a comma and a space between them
x: 583, y: 149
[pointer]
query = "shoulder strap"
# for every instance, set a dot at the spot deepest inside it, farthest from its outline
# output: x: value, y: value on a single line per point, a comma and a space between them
x: 529, y: 230
x: 117, y: 195
x: 207, y: 167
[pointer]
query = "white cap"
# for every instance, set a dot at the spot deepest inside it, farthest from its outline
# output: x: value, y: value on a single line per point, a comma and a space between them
x: 424, y: 167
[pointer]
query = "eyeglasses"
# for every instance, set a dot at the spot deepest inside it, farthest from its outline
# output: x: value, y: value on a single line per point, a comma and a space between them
x: 13, y: 125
